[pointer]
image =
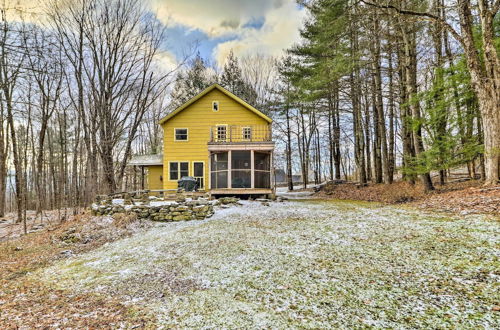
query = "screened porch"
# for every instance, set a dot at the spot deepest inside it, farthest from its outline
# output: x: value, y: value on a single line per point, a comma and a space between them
x: 241, y: 170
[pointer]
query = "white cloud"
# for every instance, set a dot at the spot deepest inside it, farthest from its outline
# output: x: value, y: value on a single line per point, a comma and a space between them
x: 166, y: 60
x: 215, y: 18
x: 23, y: 10
x: 280, y: 31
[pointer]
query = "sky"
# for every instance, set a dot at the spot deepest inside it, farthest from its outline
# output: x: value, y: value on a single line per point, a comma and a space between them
x: 217, y: 26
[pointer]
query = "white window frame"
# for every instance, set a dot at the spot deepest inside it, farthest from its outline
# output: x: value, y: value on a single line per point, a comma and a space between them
x: 249, y: 128
x: 217, y: 132
x: 175, y: 134
x: 203, y: 176
x: 213, y: 106
x: 178, y: 162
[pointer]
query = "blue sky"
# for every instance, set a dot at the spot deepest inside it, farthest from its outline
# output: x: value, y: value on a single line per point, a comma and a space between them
x: 217, y: 26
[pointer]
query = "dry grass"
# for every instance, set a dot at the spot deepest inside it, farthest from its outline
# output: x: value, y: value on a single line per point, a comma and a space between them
x: 122, y: 220
x: 399, y: 192
x: 461, y: 197
x: 29, y: 303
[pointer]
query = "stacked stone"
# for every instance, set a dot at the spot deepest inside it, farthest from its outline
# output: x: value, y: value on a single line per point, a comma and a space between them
x: 228, y: 200
x: 176, y: 211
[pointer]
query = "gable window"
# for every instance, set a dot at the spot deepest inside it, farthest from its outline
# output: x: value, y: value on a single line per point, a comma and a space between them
x: 181, y: 134
x: 178, y: 169
x: 221, y: 132
x: 246, y: 133
x: 215, y: 106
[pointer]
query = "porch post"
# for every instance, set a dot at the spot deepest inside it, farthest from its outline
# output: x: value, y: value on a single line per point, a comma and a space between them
x: 208, y: 181
x: 252, y: 169
x: 142, y: 178
x: 272, y: 178
x: 229, y: 170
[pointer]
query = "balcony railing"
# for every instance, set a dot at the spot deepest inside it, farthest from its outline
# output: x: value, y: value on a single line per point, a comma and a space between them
x: 240, y: 133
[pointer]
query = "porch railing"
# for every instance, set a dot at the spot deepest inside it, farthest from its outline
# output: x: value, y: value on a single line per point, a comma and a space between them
x: 240, y: 133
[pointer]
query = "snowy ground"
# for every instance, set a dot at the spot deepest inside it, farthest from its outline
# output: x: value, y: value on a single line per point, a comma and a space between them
x: 312, y: 264
x: 283, y: 192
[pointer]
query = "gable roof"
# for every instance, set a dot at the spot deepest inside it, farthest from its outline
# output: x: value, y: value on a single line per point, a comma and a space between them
x: 208, y: 90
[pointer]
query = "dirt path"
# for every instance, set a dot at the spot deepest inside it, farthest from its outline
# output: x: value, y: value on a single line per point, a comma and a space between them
x: 316, y: 264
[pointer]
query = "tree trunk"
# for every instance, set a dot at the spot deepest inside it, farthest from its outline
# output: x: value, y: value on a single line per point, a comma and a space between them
x: 486, y: 82
x: 411, y: 81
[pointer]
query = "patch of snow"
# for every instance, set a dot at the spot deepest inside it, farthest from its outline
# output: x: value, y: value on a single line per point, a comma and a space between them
x: 301, y: 264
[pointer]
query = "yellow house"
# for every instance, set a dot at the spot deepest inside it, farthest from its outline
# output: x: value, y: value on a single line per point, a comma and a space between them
x: 220, y: 140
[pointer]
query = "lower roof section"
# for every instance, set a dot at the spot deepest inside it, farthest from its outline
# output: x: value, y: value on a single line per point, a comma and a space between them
x: 146, y: 160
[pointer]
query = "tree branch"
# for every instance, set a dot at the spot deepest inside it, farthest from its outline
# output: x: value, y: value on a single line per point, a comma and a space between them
x: 421, y: 15
x: 495, y: 8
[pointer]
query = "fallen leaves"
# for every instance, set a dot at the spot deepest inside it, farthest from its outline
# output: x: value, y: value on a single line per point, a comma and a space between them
x: 468, y: 197
x: 28, y: 303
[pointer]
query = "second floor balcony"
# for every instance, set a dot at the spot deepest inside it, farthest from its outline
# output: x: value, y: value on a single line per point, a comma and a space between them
x: 223, y: 134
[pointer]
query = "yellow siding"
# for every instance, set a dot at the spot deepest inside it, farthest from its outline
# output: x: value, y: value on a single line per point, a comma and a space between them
x: 155, y: 177
x: 198, y: 118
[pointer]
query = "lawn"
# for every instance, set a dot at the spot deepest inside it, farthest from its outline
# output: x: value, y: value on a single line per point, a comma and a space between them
x: 308, y: 264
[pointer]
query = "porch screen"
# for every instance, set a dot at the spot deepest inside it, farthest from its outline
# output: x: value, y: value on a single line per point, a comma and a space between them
x: 241, y: 175
x: 218, y: 170
x: 262, y: 170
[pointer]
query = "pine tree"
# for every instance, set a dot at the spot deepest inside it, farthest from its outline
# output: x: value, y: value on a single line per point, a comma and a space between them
x: 191, y: 82
x: 232, y: 80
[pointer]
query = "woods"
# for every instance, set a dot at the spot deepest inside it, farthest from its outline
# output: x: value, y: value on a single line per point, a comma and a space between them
x: 75, y: 92
x: 376, y: 91
x: 419, y: 92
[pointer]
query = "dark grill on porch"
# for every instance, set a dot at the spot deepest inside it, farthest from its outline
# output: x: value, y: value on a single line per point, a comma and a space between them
x: 236, y: 133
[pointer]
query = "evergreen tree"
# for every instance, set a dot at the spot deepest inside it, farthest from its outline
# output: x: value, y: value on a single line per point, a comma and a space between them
x: 232, y: 80
x: 191, y: 82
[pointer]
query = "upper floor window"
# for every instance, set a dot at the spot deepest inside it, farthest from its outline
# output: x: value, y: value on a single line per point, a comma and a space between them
x: 221, y: 132
x: 215, y: 105
x: 246, y: 133
x: 181, y: 134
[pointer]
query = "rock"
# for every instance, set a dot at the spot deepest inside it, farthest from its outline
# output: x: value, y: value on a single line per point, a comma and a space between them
x: 181, y: 218
x: 181, y: 210
x: 228, y: 200
x: 18, y: 248
x: 67, y: 253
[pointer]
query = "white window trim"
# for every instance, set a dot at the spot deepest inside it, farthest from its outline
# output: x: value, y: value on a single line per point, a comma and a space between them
x: 178, y: 169
x: 217, y: 132
x: 175, y: 134
x: 218, y: 106
x: 192, y: 171
x: 243, y: 133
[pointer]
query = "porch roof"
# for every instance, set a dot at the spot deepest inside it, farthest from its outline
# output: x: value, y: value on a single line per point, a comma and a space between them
x: 146, y: 160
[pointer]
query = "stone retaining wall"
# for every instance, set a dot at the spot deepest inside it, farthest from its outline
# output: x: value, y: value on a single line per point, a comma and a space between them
x: 157, y: 210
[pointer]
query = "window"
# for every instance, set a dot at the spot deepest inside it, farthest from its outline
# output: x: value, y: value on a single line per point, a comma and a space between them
x: 181, y: 134
x: 221, y: 132
x: 219, y: 170
x: 247, y: 133
x: 198, y: 173
x: 215, y: 105
x: 241, y: 174
x: 262, y: 167
x: 178, y: 169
